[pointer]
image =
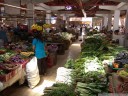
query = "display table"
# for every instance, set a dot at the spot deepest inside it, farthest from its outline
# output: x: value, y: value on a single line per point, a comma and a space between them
x: 61, y: 47
x: 19, y: 76
x: 11, y: 81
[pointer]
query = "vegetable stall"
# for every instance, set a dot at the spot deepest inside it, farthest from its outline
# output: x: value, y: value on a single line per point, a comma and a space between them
x: 97, y: 70
x: 15, y: 56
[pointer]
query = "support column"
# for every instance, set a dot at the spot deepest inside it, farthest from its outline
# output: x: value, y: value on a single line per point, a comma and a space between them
x: 116, y: 27
x: 126, y: 30
x: 64, y: 19
x: 116, y: 20
x: 48, y: 17
x: 67, y: 22
x: 58, y: 22
x: 101, y: 23
x: 30, y: 14
x: 105, y: 21
x: 116, y: 23
x: 109, y: 21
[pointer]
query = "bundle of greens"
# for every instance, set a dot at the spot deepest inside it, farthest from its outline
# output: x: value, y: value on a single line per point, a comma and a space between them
x: 60, y: 89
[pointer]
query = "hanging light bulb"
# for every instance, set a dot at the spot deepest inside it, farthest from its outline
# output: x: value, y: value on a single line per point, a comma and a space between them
x: 68, y: 8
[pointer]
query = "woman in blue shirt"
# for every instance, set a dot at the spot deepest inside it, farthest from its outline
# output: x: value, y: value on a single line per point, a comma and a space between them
x: 39, y: 49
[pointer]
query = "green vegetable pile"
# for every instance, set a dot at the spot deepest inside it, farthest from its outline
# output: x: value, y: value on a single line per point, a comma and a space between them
x: 59, y: 89
x: 6, y: 56
x: 88, y: 75
x: 89, y: 89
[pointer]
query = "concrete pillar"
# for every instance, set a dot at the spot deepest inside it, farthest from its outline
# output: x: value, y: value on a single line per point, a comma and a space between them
x: 48, y: 16
x: 64, y: 19
x: 101, y: 23
x: 30, y: 22
x: 67, y: 22
x: 126, y: 30
x: 30, y: 14
x: 116, y: 27
x: 58, y: 22
x: 116, y: 20
x: 64, y: 16
x: 116, y: 23
x: 105, y: 20
x: 109, y: 21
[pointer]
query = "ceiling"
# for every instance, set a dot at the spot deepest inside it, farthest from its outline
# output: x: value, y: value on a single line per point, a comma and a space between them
x: 89, y: 6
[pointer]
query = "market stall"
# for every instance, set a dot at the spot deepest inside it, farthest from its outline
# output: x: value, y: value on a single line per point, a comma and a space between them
x: 13, y: 60
x: 100, y: 69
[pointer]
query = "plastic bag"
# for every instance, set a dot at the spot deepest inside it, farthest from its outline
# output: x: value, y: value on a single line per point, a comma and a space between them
x: 32, y: 73
x: 64, y: 75
x: 1, y: 86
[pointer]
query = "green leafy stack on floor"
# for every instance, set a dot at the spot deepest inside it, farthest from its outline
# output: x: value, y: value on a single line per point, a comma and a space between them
x: 89, y: 76
x: 60, y: 89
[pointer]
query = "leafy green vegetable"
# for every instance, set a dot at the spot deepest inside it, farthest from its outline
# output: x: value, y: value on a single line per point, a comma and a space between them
x: 61, y: 90
x: 69, y: 64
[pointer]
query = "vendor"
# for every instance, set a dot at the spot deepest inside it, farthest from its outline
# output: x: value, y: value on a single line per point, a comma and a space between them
x: 3, y: 35
x: 39, y: 49
x: 116, y: 32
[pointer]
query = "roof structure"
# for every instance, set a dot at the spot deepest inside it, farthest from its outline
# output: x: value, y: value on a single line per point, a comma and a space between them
x: 89, y: 6
x: 79, y: 8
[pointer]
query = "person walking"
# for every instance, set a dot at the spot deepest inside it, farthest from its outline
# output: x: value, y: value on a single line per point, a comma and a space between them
x: 80, y: 30
x: 39, y: 49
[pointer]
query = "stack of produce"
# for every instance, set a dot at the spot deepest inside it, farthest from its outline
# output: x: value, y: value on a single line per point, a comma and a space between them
x: 17, y: 59
x: 8, y: 66
x: 60, y: 89
x: 88, y: 75
x: 5, y: 57
x: 91, y: 32
x: 27, y: 54
x: 52, y: 48
x: 89, y: 71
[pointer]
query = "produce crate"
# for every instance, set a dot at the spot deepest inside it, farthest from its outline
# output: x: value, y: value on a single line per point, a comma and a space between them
x: 6, y: 77
x: 61, y: 49
x: 67, y: 43
x: 15, y: 71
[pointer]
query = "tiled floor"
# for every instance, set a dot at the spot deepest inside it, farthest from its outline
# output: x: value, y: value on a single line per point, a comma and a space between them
x: 48, y: 80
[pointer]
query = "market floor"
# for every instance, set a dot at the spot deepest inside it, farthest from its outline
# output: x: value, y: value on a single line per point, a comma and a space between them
x: 46, y: 81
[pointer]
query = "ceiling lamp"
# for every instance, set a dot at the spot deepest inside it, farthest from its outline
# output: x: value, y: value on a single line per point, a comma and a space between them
x: 68, y: 8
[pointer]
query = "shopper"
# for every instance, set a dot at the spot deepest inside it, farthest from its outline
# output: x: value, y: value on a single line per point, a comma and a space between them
x: 80, y: 30
x: 39, y: 49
